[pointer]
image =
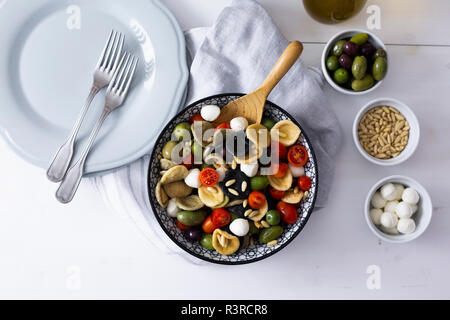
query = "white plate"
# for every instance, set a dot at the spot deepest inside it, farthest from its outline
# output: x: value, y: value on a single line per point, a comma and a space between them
x: 49, y: 49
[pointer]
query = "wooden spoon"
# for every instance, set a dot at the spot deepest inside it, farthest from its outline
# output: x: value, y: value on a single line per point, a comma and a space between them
x: 251, y: 106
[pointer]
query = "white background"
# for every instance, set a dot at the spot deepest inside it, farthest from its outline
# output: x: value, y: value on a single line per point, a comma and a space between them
x: 86, y: 250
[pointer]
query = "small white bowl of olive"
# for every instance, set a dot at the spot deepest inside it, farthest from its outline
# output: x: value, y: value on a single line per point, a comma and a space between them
x: 355, y: 62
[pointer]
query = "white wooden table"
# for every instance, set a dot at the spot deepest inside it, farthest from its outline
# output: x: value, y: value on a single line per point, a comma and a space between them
x: 85, y: 250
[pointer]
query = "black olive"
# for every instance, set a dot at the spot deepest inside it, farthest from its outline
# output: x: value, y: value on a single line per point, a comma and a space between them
x: 239, y: 178
x: 239, y: 210
x: 237, y: 143
x: 271, y: 202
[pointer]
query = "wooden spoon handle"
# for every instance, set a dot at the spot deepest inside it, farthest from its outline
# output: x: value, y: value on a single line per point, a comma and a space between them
x: 284, y: 63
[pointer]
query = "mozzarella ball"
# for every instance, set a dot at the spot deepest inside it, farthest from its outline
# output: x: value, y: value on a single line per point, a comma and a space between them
x: 221, y: 171
x: 411, y: 196
x: 391, y: 206
x: 406, y: 226
x: 250, y: 170
x: 238, y: 124
x: 398, y: 191
x: 375, y: 215
x: 192, y: 179
x: 172, y: 208
x: 378, y: 201
x: 297, y: 171
x: 413, y: 208
x: 210, y: 112
x: 389, y: 230
x: 240, y: 227
x: 388, y: 191
x: 404, y: 210
x: 388, y: 219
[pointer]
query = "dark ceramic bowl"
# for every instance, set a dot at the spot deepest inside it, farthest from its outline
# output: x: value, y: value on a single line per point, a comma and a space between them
x: 250, y: 253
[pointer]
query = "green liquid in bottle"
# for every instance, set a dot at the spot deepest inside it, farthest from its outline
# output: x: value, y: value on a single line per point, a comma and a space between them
x: 333, y: 11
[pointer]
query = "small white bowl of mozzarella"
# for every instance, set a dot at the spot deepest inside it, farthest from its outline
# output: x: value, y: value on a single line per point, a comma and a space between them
x: 398, y: 209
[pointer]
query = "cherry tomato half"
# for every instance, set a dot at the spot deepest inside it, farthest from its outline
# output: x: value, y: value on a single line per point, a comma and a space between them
x: 208, y: 226
x: 298, y: 156
x: 304, y: 183
x: 279, y: 170
x: 196, y: 117
x: 256, y: 200
x: 224, y: 125
x: 220, y: 217
x: 287, y: 212
x: 279, y: 151
x: 276, y: 194
x: 182, y: 226
x: 209, y: 177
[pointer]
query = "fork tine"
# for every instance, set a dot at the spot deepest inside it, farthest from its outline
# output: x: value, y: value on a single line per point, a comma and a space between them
x: 130, y: 76
x: 117, y: 54
x: 102, y: 56
x: 127, y: 68
x: 108, y: 51
x: 120, y: 76
x: 117, y: 72
x: 113, y: 55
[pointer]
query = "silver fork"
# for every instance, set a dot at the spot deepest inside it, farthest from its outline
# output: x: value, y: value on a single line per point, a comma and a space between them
x: 115, y: 96
x: 103, y: 74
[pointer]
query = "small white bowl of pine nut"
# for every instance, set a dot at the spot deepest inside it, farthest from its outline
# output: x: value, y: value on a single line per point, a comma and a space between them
x: 386, y: 132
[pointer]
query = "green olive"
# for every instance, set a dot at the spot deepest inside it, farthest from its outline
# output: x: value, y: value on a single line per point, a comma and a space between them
x: 253, y: 230
x: 270, y: 234
x: 379, y: 68
x: 360, y: 38
x: 167, y: 150
x: 332, y: 63
x: 182, y: 131
x: 273, y: 217
x: 341, y: 76
x: 363, y: 84
x: 359, y: 67
x: 206, y: 241
x: 338, y: 48
x: 268, y: 123
x: 197, y: 151
x: 191, y: 218
x: 259, y: 182
x: 379, y: 53
x: 233, y: 216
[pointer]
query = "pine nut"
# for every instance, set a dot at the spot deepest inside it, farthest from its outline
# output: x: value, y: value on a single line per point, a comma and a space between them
x: 230, y: 183
x: 272, y: 243
x: 253, y: 214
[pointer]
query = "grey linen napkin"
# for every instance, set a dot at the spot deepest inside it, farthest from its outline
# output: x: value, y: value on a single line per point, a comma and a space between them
x: 235, y: 55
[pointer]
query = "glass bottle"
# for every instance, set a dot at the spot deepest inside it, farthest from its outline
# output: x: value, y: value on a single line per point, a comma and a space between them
x: 333, y: 11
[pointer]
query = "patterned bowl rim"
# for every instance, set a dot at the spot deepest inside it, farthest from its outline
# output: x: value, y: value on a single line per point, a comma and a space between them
x: 289, y: 240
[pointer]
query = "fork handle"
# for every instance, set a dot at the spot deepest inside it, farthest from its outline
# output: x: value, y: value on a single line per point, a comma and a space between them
x: 60, y: 163
x: 69, y: 185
